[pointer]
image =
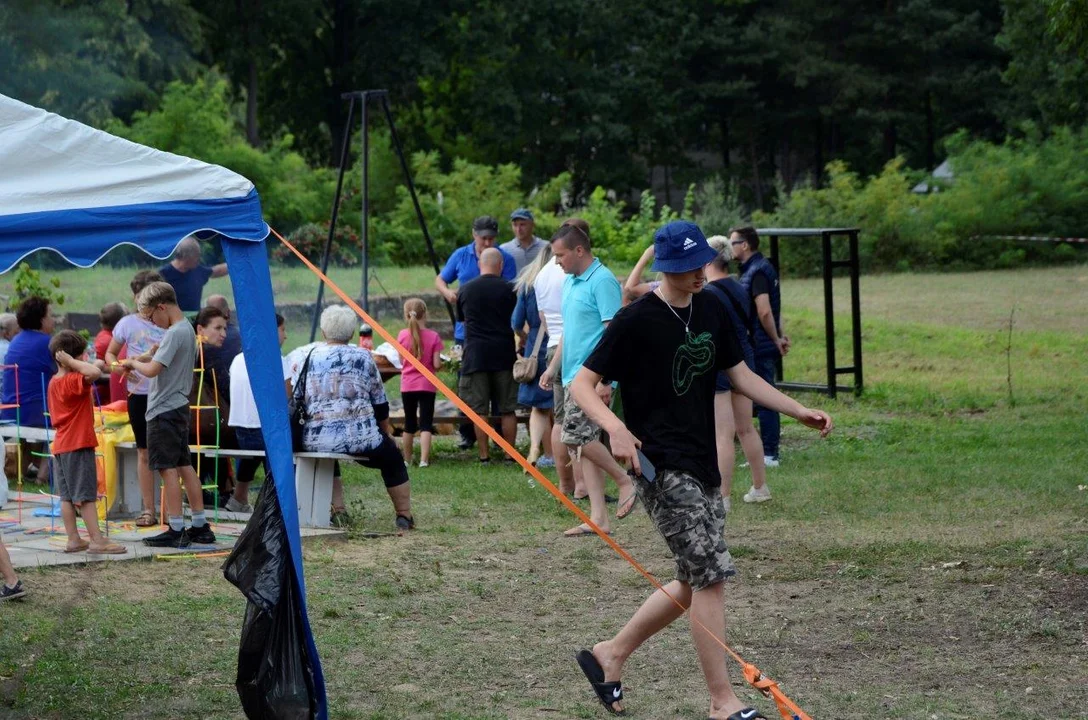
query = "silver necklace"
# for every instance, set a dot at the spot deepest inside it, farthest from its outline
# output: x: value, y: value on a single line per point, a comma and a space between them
x: 691, y: 309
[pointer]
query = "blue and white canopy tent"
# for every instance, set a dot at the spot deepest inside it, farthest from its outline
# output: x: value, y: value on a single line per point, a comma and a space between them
x: 81, y: 192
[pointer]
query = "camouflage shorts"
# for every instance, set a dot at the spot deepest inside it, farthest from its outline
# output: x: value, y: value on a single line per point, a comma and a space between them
x: 578, y: 429
x: 693, y: 524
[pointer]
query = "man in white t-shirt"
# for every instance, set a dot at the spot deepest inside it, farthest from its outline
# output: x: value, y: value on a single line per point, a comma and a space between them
x: 247, y: 424
x: 549, y: 301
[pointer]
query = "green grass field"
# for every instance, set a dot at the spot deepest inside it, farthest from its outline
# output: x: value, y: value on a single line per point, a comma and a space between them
x: 928, y: 560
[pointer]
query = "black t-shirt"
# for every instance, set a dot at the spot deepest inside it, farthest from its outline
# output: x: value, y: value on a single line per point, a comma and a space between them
x: 667, y: 379
x: 486, y: 304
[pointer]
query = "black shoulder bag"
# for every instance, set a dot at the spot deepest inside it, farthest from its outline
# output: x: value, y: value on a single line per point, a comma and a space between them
x: 299, y: 416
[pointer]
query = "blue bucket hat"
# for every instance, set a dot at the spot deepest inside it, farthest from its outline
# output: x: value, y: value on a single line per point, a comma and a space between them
x: 680, y: 247
x: 521, y: 214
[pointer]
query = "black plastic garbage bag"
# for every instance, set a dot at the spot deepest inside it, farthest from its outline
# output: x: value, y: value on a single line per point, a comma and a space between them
x: 275, y: 673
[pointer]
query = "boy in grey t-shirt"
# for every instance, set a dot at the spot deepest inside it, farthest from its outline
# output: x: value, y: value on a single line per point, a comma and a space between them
x: 171, y: 374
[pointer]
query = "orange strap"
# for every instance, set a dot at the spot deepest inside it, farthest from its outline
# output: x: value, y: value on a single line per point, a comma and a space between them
x: 758, y: 680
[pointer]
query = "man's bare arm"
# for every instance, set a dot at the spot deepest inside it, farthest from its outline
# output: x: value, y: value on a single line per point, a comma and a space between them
x: 749, y: 384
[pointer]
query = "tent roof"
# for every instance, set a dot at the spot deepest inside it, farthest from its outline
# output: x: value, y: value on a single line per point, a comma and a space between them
x: 941, y: 172
x: 82, y: 192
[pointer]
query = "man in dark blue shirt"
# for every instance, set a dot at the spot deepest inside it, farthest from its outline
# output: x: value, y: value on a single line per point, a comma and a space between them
x: 760, y: 279
x: 188, y: 276
x: 464, y: 265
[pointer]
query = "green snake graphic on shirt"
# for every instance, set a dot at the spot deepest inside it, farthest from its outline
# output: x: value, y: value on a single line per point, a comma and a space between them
x: 694, y: 358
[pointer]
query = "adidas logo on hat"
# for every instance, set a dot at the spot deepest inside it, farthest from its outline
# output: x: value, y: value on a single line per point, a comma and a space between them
x: 688, y: 244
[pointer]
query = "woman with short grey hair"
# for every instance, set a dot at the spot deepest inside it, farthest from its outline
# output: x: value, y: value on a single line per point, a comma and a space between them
x: 348, y: 412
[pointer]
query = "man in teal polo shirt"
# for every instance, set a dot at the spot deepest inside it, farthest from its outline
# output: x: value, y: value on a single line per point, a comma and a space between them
x: 591, y: 297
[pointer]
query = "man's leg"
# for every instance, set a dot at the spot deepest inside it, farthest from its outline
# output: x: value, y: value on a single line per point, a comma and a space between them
x: 707, y: 615
x: 564, y: 460
x: 509, y: 427
x: 504, y: 401
x: 467, y: 429
x: 769, y: 421
x: 597, y: 454
x: 656, y: 613
x: 598, y: 509
x: 581, y: 433
x: 474, y: 390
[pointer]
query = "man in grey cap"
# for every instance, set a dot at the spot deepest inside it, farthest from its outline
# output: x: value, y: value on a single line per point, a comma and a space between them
x: 525, y: 246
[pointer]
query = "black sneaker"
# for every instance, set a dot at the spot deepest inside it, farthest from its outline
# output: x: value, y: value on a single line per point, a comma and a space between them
x: 202, y: 534
x: 12, y: 593
x: 170, y: 538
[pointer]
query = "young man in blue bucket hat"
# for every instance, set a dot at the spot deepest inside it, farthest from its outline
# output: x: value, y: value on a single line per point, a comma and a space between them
x: 665, y: 350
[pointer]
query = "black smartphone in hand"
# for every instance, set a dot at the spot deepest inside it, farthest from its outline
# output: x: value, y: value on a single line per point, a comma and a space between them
x: 648, y: 472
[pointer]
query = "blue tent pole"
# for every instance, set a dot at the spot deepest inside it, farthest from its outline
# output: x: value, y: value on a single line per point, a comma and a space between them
x: 247, y: 262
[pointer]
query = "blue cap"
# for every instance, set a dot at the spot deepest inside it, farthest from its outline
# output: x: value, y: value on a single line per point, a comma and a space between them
x: 680, y: 247
x: 521, y: 214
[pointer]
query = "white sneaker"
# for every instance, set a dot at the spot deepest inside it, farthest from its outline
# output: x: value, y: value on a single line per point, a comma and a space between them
x: 237, y: 507
x: 424, y: 464
x: 758, y: 495
x: 769, y: 461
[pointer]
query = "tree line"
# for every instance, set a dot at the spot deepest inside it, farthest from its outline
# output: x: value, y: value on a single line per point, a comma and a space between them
x: 624, y: 94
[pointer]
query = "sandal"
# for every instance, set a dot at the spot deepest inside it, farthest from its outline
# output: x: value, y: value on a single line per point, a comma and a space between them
x: 628, y: 503
x: 747, y: 714
x: 607, y: 692
x: 108, y: 549
x: 81, y: 547
x: 146, y: 519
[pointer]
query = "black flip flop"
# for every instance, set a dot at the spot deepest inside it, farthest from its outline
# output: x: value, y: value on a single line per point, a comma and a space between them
x: 607, y: 692
x: 747, y: 714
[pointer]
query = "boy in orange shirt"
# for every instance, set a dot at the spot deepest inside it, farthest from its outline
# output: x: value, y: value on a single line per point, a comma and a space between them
x: 74, y: 466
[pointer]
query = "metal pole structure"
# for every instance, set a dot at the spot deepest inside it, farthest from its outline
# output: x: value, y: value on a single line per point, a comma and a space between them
x: 855, y: 310
x: 345, y: 145
x: 829, y: 314
x: 412, y: 191
x: 366, y: 206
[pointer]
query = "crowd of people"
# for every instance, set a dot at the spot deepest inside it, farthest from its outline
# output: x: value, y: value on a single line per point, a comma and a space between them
x: 543, y: 324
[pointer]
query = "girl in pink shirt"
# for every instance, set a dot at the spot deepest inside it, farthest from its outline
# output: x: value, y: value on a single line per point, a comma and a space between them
x: 416, y: 391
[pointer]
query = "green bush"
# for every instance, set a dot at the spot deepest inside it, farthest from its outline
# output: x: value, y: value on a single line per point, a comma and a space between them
x: 196, y: 120
x: 28, y: 282
x: 310, y: 239
x: 451, y: 200
x: 620, y: 238
x: 1030, y: 186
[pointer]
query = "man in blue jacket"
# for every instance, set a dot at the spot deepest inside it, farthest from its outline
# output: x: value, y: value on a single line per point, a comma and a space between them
x: 760, y: 279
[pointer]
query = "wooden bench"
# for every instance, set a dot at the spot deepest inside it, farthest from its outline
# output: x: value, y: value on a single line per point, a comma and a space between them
x: 313, y: 476
x: 313, y: 480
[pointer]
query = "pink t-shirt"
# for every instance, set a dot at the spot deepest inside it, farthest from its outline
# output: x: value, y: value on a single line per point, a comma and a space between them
x: 411, y: 380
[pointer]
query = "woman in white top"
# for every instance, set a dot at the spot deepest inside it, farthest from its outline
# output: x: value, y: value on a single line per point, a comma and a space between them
x: 246, y: 423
